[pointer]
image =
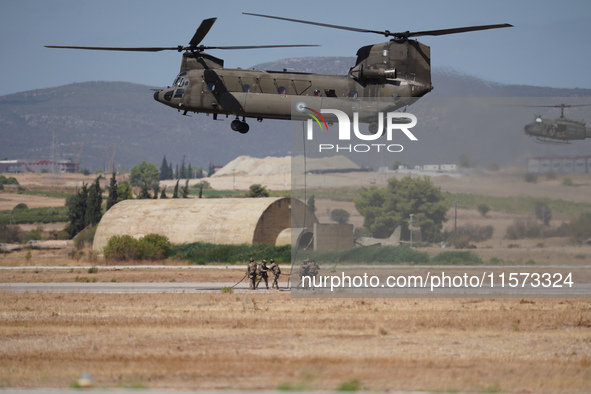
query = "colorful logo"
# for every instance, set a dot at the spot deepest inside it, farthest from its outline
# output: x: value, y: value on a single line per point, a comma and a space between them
x: 301, y: 107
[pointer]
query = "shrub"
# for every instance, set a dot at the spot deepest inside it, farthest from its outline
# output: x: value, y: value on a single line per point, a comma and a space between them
x: 8, y: 181
x: 22, y: 205
x: 457, y: 258
x: 125, y: 247
x: 543, y: 212
x: 523, y: 229
x: 483, y: 209
x: 468, y: 233
x: 154, y: 247
x: 550, y: 175
x: 568, y: 182
x: 121, y: 247
x: 350, y: 385
x: 10, y: 234
x: 581, y: 227
x: 561, y: 231
x: 531, y: 177
x: 85, y: 238
x: 257, y: 190
x: 461, y: 242
x: 33, y: 235
x: 202, y: 253
x: 339, y: 215
x: 204, y: 185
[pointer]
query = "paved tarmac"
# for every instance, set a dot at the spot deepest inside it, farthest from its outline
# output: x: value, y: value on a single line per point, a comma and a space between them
x: 110, y: 287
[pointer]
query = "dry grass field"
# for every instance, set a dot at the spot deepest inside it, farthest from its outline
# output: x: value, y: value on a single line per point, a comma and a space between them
x: 268, y: 341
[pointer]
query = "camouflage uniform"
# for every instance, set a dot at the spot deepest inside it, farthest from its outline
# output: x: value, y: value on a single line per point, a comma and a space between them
x: 304, y: 271
x: 262, y: 274
x: 313, y: 269
x: 274, y: 268
x: 251, y: 271
x: 309, y: 268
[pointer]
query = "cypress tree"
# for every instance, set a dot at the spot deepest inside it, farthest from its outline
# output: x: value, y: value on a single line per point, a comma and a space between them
x: 163, y: 194
x: 164, y: 169
x: 189, y: 172
x: 175, y: 193
x: 144, y: 193
x: 199, y: 173
x: 94, y: 204
x: 210, y: 169
x: 77, y: 211
x: 185, y: 191
x: 112, y: 199
x: 183, y: 170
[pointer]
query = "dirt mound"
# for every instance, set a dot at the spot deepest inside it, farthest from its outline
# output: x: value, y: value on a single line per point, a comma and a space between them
x: 246, y: 165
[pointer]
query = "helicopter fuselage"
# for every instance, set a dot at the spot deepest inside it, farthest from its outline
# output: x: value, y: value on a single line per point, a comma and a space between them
x: 562, y: 129
x: 384, y: 75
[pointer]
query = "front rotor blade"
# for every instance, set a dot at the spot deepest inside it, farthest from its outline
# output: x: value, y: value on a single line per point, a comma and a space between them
x: 255, y: 46
x: 455, y: 30
x: 202, y: 31
x: 125, y: 49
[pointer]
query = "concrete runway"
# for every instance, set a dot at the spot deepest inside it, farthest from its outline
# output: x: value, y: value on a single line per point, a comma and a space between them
x: 108, y: 287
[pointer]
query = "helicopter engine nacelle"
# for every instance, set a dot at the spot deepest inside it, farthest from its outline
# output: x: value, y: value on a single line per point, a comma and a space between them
x: 363, y: 73
x: 378, y: 73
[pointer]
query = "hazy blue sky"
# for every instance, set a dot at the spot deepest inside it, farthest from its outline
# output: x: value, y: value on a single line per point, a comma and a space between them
x: 547, y: 47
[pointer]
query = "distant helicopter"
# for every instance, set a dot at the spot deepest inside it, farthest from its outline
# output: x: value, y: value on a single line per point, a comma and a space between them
x: 384, y: 73
x: 557, y: 131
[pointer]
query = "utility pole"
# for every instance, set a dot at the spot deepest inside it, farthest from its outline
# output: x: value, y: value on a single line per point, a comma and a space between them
x: 456, y: 217
x: 411, y: 216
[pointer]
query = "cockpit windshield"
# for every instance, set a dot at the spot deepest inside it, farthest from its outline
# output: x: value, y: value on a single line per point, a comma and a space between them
x: 181, y: 80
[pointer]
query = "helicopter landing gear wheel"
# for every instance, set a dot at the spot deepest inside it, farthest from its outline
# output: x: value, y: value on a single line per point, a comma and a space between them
x: 241, y: 127
x: 373, y: 128
x: 244, y: 128
x: 236, y: 125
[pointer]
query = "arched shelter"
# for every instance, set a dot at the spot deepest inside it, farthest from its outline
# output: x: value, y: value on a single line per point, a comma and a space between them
x: 215, y: 220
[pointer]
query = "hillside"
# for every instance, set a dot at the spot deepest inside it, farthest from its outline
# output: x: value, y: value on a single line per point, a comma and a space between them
x: 120, y: 118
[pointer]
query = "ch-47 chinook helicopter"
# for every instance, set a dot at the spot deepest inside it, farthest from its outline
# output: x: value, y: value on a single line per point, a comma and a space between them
x: 386, y: 72
x: 560, y: 130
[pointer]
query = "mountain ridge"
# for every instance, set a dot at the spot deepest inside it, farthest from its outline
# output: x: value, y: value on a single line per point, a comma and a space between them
x: 123, y: 118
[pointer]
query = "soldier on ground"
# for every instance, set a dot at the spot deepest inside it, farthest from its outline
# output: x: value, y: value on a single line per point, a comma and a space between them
x: 262, y: 274
x: 309, y: 268
x: 251, y: 271
x: 274, y: 268
x: 313, y: 268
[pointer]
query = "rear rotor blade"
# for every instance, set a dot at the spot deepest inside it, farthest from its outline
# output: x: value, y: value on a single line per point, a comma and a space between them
x: 202, y: 31
x: 388, y: 33
x: 455, y: 30
x: 554, y: 106
x: 318, y: 24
